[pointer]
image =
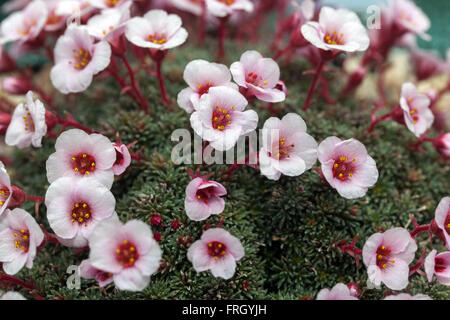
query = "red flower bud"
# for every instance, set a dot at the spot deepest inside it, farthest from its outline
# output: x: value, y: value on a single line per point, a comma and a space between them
x: 156, y: 220
x: 5, y: 119
x: 16, y: 85
x: 50, y: 120
x: 442, y: 144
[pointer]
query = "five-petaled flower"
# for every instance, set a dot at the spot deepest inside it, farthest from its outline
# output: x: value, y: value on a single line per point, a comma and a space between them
x: 258, y: 75
x: 202, y: 75
x: 156, y: 30
x: 217, y: 250
x: 27, y: 24
x: 347, y: 167
x: 339, y: 292
x: 78, y: 59
x: 387, y: 256
x: 220, y: 117
x: 28, y: 125
x: 442, y: 219
x: 286, y: 147
x: 82, y: 155
x: 203, y: 198
x: 20, y: 235
x: 76, y: 206
x: 127, y: 251
x: 416, y: 109
x: 407, y: 17
x: 438, y: 265
x: 407, y: 296
x: 337, y: 30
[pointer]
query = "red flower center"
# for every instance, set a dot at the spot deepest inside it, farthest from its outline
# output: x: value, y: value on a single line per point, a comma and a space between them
x: 127, y: 254
x: 82, y: 59
x: 205, y: 194
x: 217, y: 249
x: 343, y: 168
x: 283, y: 149
x: 439, y: 265
x: 254, y: 79
x: 383, y: 255
x: 158, y: 39
x: 119, y: 158
x: 221, y: 118
x: 334, y: 38
x: 203, y: 89
x: 4, y: 194
x: 83, y: 163
x: 81, y: 213
x: 22, y: 240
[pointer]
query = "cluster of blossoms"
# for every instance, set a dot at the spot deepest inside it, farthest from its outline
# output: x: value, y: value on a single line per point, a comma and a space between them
x: 80, y: 205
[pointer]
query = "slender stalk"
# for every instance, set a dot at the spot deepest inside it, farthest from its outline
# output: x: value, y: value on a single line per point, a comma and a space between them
x: 319, y: 69
x: 135, y: 87
x: 162, y: 87
x: 221, y: 37
x: 36, y: 198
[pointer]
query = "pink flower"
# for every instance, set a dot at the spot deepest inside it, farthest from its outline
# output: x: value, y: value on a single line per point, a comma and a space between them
x: 55, y: 21
x: 286, y: 147
x: 28, y: 125
x: 337, y: 29
x: 258, y: 75
x: 76, y: 206
x: 105, y: 4
x: 12, y: 295
x: 82, y: 155
x: 110, y: 24
x: 202, y: 75
x: 347, y: 167
x: 87, y: 271
x: 408, y: 17
x: 192, y: 6
x: 78, y: 59
x: 442, y: 219
x: 217, y: 250
x: 25, y: 25
x: 442, y: 144
x: 20, y: 235
x: 406, y: 296
x: 223, y: 8
x: 156, y: 30
x: 5, y: 188
x: 387, y: 256
x: 339, y: 292
x: 439, y: 265
x: 127, y: 251
x: 220, y: 117
x: 123, y: 159
x: 203, y: 199
x: 416, y: 112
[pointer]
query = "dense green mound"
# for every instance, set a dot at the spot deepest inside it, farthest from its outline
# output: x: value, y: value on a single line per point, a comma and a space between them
x: 288, y: 228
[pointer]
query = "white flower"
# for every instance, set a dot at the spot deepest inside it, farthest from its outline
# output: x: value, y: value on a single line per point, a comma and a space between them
x: 28, y: 125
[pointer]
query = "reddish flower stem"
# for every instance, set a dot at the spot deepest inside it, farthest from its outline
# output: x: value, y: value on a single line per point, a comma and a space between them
x: 162, y: 87
x: 415, y: 268
x: 71, y: 123
x: 122, y: 83
x: 36, y: 198
x: 319, y: 69
x: 222, y: 30
x: 418, y: 228
x: 134, y: 86
x: 202, y: 23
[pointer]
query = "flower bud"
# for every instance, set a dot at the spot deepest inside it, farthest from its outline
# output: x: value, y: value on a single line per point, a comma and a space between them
x: 50, y: 120
x: 442, y: 144
x: 5, y: 119
x: 16, y: 85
